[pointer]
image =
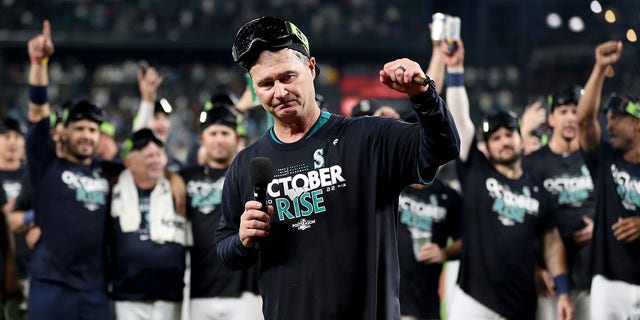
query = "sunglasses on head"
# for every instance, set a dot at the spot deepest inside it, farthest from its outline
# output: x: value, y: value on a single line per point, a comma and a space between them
x: 265, y: 33
x: 142, y: 138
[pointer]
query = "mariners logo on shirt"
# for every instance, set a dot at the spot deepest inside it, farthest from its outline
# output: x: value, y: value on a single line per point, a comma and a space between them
x: 419, y: 216
x: 571, y: 190
x: 298, y: 192
x: 11, y: 188
x: 511, y: 206
x: 205, y: 195
x: 628, y: 188
x: 318, y: 158
x: 90, y: 190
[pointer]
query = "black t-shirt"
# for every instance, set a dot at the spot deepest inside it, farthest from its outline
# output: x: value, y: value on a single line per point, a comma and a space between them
x: 209, y: 277
x: 617, y: 192
x: 568, y: 180
x: 12, y: 182
x: 144, y: 269
x: 332, y: 248
x: 70, y: 202
x: 431, y: 213
x: 502, y: 219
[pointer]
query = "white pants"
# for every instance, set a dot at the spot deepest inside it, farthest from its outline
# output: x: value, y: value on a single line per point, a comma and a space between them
x: 147, y: 310
x: 548, y: 307
x: 614, y: 299
x: 247, y: 307
x: 464, y: 307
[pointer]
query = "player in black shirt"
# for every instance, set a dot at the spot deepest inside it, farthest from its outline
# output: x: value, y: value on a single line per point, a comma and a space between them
x: 69, y: 196
x: 215, y: 289
x: 614, y: 166
x: 561, y: 169
x: 327, y: 247
x: 504, y: 211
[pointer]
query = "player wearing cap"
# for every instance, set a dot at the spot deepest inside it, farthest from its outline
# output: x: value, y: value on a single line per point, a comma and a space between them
x: 69, y: 197
x: 154, y: 112
x: 12, y: 171
x: 149, y: 237
x: 504, y: 212
x: 328, y: 247
x: 215, y: 289
x: 561, y: 169
x: 614, y: 166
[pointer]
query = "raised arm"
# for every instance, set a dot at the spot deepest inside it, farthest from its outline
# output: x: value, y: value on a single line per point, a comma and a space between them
x: 457, y: 97
x: 606, y: 54
x: 439, y: 141
x: 436, y: 65
x: 148, y: 82
x: 40, y: 49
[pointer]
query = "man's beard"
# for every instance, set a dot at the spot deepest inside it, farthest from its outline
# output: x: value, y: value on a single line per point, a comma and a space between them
x: 508, y: 161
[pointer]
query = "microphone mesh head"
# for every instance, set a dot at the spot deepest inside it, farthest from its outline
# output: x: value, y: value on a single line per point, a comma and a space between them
x: 260, y: 171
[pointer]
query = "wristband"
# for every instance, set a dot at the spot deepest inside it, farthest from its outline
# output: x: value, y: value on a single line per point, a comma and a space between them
x: 38, y: 94
x: 43, y: 60
x: 455, y: 79
x: 29, y: 216
x: 561, y: 282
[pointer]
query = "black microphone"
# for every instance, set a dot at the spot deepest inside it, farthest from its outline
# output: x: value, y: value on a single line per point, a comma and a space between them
x: 260, y: 175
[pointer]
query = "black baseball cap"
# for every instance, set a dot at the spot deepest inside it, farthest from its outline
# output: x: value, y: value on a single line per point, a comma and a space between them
x: 141, y: 138
x: 10, y: 124
x: 565, y: 96
x: 365, y: 107
x: 623, y: 105
x: 219, y: 111
x: 82, y: 110
x: 501, y: 119
x: 267, y: 33
x: 163, y: 106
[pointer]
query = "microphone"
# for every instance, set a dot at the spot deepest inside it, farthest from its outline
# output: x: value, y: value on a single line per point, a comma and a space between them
x: 260, y: 174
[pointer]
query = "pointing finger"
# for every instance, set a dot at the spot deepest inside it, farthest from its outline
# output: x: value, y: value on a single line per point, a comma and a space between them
x: 46, y: 29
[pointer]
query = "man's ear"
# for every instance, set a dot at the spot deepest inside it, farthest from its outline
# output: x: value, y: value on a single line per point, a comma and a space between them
x: 312, y: 67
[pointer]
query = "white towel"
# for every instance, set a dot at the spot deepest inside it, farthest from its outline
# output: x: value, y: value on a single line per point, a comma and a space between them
x: 165, y: 225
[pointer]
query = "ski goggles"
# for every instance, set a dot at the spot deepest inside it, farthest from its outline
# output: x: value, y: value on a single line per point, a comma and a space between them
x: 266, y: 33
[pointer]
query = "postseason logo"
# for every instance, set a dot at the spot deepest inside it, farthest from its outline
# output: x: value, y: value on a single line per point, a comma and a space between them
x: 298, y: 192
x: 91, y: 191
x: 511, y: 207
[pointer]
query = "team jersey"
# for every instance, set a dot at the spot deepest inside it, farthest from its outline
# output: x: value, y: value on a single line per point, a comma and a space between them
x: 617, y: 193
x: 431, y: 213
x: 70, y: 205
x: 332, y: 248
x: 502, y: 219
x: 567, y: 178
x: 5, y: 244
x: 144, y: 269
x: 209, y: 277
x: 12, y: 182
